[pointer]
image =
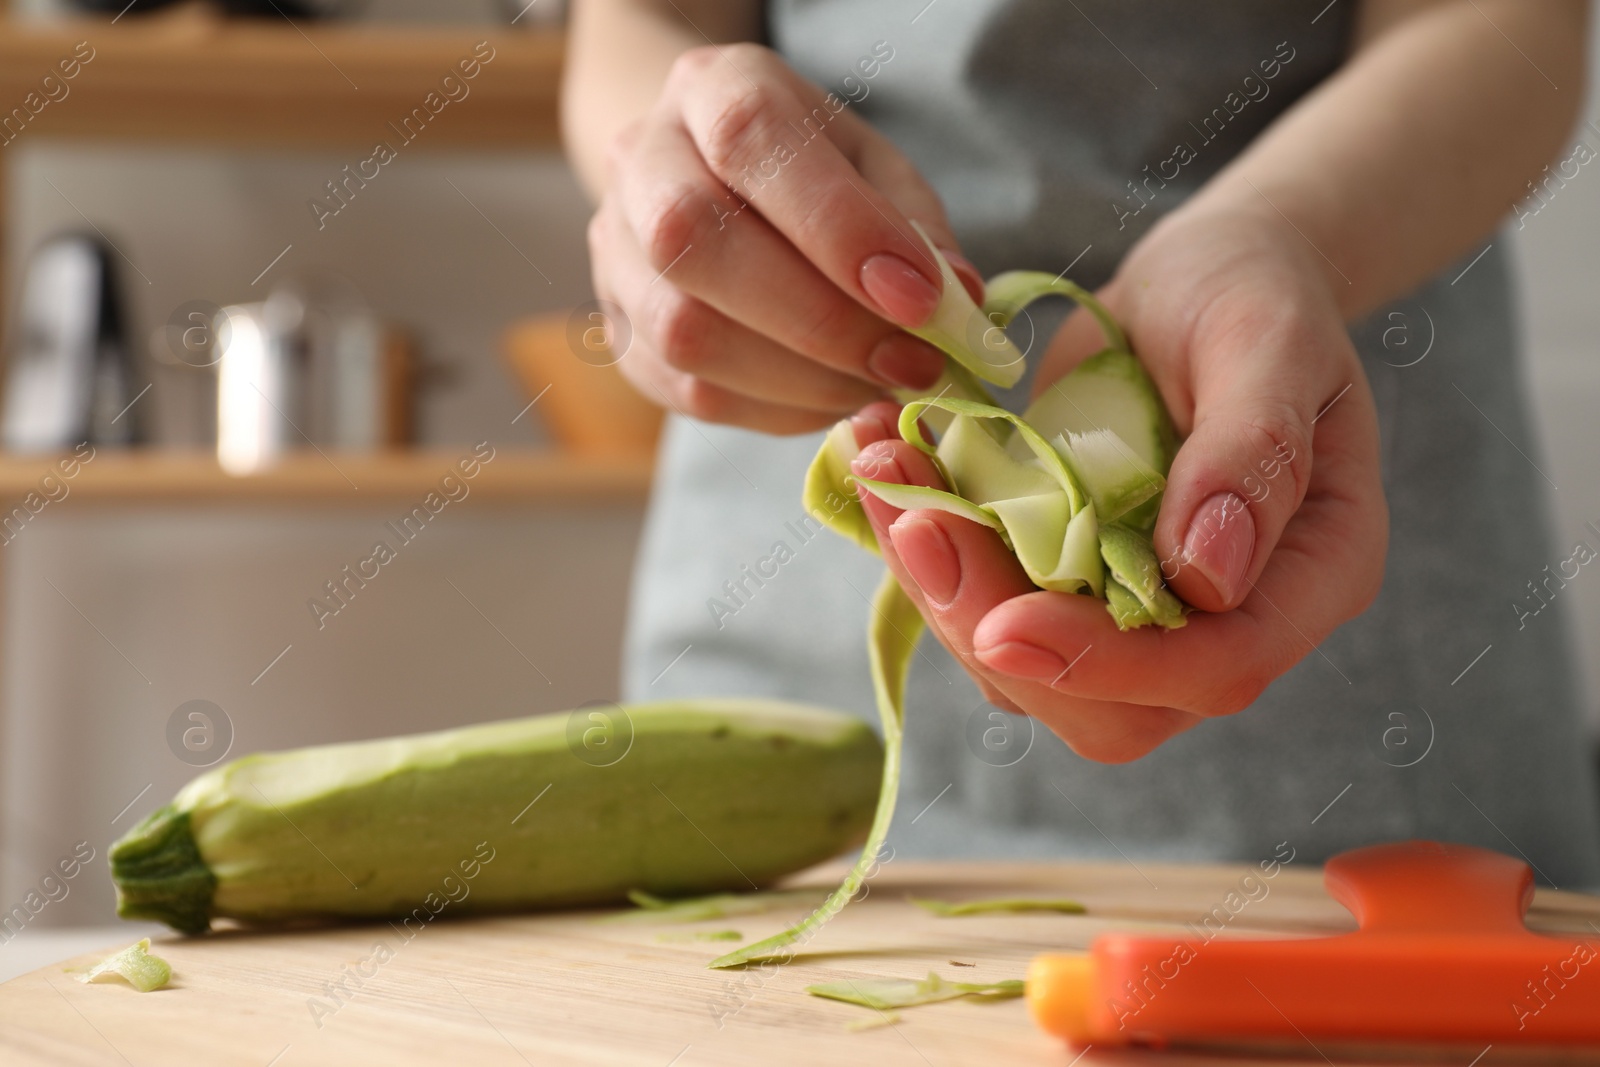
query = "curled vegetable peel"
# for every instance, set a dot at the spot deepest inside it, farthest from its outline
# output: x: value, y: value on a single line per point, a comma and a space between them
x: 135, y: 965
x: 1072, y: 486
x: 883, y: 994
x: 1005, y: 905
x: 892, y: 636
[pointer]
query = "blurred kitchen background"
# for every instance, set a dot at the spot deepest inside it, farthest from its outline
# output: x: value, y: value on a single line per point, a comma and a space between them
x: 439, y: 297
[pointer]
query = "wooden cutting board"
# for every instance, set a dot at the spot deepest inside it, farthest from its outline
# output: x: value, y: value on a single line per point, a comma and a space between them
x: 566, y: 988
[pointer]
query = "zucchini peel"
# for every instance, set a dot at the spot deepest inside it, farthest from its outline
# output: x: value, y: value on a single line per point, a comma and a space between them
x: 884, y: 994
x: 134, y: 965
x: 1072, y: 485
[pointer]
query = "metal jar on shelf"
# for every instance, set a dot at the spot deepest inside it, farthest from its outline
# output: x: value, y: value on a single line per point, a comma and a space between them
x: 306, y: 369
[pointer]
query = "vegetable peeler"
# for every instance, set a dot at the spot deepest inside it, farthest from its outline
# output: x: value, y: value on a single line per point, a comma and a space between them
x: 1442, y: 955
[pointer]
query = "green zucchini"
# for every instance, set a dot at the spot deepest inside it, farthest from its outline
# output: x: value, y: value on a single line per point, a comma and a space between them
x: 707, y: 795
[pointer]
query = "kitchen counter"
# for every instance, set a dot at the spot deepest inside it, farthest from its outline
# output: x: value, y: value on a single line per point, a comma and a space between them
x: 567, y: 988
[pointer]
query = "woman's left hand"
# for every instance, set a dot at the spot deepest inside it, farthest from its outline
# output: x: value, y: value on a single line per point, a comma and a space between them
x: 1232, y: 315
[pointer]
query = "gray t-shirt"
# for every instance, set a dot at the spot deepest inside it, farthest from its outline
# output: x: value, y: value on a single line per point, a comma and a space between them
x: 1056, y: 134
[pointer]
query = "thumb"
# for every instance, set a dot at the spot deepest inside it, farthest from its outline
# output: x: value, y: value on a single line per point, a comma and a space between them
x: 1234, y: 485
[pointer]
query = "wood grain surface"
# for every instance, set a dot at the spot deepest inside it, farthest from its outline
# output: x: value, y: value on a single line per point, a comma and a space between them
x: 190, y: 75
x: 335, y: 479
x: 567, y: 988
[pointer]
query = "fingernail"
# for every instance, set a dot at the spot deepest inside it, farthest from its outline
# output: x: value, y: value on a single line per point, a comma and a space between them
x: 1220, y: 542
x: 929, y: 556
x: 966, y: 271
x: 902, y: 292
x: 902, y: 360
x: 876, y: 462
x: 1022, y: 660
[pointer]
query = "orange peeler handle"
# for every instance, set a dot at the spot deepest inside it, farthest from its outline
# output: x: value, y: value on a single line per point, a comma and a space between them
x: 1442, y: 954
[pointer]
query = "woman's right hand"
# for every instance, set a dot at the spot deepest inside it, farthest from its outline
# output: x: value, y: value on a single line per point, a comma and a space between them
x: 757, y: 235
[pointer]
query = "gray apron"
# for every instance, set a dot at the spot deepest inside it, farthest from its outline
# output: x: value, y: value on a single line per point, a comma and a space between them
x: 1448, y: 710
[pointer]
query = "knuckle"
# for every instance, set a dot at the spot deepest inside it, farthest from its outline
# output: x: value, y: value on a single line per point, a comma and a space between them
x: 832, y: 329
x: 1236, y: 687
x: 681, y: 328
x: 1234, y: 696
x: 619, y: 151
x: 703, y: 401
x: 1114, y: 748
x: 739, y: 123
x: 691, y: 65
x: 842, y: 396
x: 819, y: 330
x: 1277, y: 440
x: 1274, y: 649
x: 637, y: 373
x: 672, y: 225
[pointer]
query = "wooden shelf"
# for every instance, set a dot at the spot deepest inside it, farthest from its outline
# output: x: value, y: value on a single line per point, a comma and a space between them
x: 337, y: 480
x: 194, y: 76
